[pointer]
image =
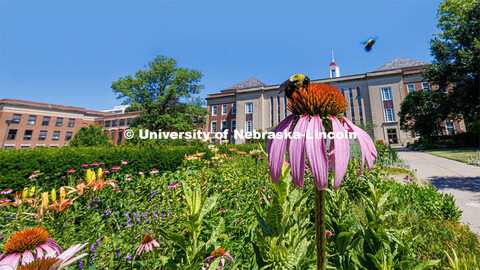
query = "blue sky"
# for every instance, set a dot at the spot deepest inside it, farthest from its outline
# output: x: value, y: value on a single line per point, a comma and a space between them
x: 70, y: 52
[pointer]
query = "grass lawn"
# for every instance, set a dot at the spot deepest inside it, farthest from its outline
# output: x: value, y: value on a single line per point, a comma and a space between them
x: 459, y: 154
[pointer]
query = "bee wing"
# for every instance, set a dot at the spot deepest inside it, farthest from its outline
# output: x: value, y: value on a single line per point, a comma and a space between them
x: 284, y: 85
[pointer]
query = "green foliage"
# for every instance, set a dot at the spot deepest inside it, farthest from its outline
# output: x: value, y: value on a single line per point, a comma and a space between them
x: 456, y: 64
x: 90, y: 136
x: 164, y: 93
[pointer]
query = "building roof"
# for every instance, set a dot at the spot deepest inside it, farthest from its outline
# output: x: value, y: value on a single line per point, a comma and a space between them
x: 16, y: 102
x: 333, y: 63
x: 401, y: 63
x: 252, y: 82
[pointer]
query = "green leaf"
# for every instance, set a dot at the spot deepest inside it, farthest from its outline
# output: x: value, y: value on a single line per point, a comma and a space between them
x: 263, y: 224
x: 207, y: 206
x: 176, y: 238
x: 218, y: 230
x: 426, y: 264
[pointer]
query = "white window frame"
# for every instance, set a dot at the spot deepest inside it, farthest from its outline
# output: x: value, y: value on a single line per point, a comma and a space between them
x: 453, y: 126
x: 423, y: 86
x: 211, y: 126
x: 214, y: 110
x: 234, y: 108
x: 386, y: 115
x: 233, y: 124
x: 224, y: 109
x: 408, y: 89
x: 222, y: 126
x: 247, y: 129
x: 389, y: 96
x: 249, y: 108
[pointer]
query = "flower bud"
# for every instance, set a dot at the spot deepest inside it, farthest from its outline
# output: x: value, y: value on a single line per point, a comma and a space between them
x: 62, y: 194
x: 24, y: 194
x: 54, y: 195
x: 45, y: 199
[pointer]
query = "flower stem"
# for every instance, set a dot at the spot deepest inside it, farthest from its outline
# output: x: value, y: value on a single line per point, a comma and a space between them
x: 320, y: 229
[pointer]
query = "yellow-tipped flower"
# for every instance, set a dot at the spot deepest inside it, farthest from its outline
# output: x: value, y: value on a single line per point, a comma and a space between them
x: 99, y: 174
x: 54, y: 195
x: 62, y: 194
x: 45, y: 199
x: 32, y: 191
x: 24, y: 193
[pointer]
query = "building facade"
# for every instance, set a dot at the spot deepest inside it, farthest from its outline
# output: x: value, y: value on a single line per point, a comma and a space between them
x: 373, y: 97
x: 116, y: 124
x: 25, y: 124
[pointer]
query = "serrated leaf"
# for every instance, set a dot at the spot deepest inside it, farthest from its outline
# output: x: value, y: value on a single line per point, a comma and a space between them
x: 263, y: 224
x: 176, y: 238
x: 207, y: 206
x: 217, y: 232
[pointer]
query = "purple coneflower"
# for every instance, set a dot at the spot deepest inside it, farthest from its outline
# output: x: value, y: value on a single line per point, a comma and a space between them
x: 128, y: 179
x: 173, y: 185
x: 101, y: 163
x: 94, y: 164
x: 124, y: 162
x: 85, y: 165
x: 147, y: 243
x: 71, y: 171
x: 115, y: 168
x: 320, y: 109
x: 140, y: 173
x: 329, y: 233
x: 6, y: 191
x: 220, y: 252
x: 154, y: 171
x: 28, y: 245
x: 51, y: 261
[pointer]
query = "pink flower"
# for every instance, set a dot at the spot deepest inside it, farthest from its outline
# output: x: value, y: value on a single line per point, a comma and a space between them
x: 140, y: 173
x: 26, y: 245
x: 234, y: 200
x: 101, y: 163
x: 71, y: 171
x: 33, y: 175
x: 94, y: 164
x: 173, y: 185
x: 105, y: 171
x: 115, y: 168
x: 154, y: 171
x: 128, y: 179
x: 124, y: 162
x: 6, y: 191
x: 320, y: 110
x: 185, y: 231
x: 238, y: 220
x: 262, y: 199
x: 220, y: 252
x: 85, y: 165
x: 147, y: 244
x: 329, y: 233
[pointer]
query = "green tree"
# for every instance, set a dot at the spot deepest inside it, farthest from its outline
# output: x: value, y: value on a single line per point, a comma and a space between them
x: 456, y: 64
x: 90, y: 136
x: 418, y: 113
x: 164, y: 93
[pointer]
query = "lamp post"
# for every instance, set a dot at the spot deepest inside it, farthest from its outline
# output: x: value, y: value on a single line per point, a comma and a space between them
x: 6, y: 132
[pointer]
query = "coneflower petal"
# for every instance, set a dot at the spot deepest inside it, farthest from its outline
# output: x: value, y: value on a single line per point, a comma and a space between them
x: 369, y: 152
x: 296, y: 151
x: 317, y: 153
x: 11, y: 259
x: 27, y: 257
x: 276, y: 149
x: 341, y: 152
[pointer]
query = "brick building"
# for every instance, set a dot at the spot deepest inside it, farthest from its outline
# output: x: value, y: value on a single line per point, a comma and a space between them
x: 116, y: 124
x: 372, y: 97
x: 25, y: 124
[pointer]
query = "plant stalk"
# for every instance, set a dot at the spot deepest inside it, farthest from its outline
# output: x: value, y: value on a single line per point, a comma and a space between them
x: 320, y: 229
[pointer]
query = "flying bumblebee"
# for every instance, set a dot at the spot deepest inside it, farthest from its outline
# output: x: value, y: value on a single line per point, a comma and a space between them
x: 292, y: 85
x: 369, y: 43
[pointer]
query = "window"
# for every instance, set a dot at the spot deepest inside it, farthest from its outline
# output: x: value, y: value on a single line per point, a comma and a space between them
x: 386, y: 94
x: 122, y: 122
x: 114, y: 123
x: 214, y: 110
x: 233, y: 125
x: 129, y: 121
x: 224, y: 109
x: 42, y: 135
x: 71, y: 122
x: 224, y: 125
x: 31, y: 120
x: 107, y: 123
x: 8, y: 147
x: 68, y: 136
x: 56, y: 135
x: 248, y: 126
x: 212, y: 141
x: 234, y: 108
x: 214, y: 126
x: 450, y: 127
x: 28, y: 135
x: 417, y: 134
x: 410, y: 87
x: 249, y: 108
x: 271, y: 111
x: 24, y: 147
x: 59, y: 122
x: 113, y: 136
x: 389, y: 116
x: 12, y: 133
x: 425, y: 86
x: 333, y: 73
x: 46, y: 121
x: 16, y: 118
x: 53, y: 146
x: 119, y: 138
x: 232, y: 140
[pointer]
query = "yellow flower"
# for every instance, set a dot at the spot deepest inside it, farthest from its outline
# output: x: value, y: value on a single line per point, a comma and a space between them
x: 54, y: 195
x: 45, y: 199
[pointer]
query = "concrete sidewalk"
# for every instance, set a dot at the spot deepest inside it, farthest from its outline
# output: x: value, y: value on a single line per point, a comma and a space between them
x: 449, y: 176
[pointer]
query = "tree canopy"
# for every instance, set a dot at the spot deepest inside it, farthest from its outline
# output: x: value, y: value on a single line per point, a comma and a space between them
x: 456, y: 63
x: 164, y: 93
x: 90, y: 136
